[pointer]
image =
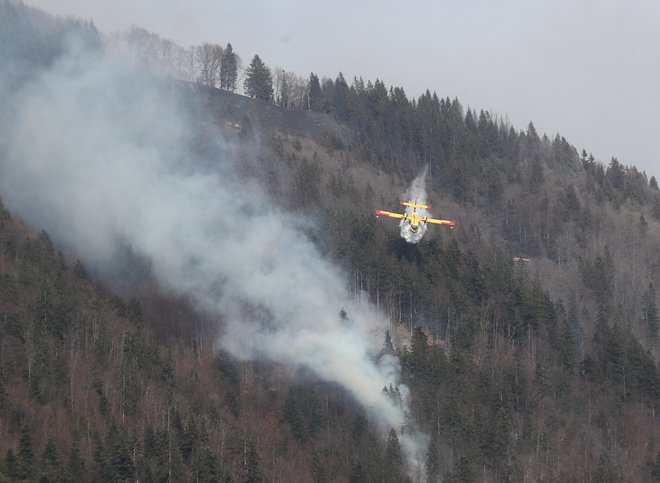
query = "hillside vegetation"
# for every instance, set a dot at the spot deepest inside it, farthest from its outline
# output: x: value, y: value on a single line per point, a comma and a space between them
x: 539, y: 369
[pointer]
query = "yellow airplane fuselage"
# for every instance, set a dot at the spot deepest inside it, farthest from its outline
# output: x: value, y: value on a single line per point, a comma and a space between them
x: 414, y: 221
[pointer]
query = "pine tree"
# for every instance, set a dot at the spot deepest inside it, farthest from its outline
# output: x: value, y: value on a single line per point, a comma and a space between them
x: 258, y: 80
x: 76, y: 465
x: 432, y: 462
x: 114, y: 456
x: 318, y: 471
x: 388, y: 347
x: 656, y: 208
x: 536, y: 176
x: 25, y: 456
x: 253, y: 470
x: 358, y: 475
x: 418, y: 349
x: 463, y: 471
x: 341, y: 98
x: 616, y: 174
x: 531, y: 132
x: 3, y: 397
x: 394, y: 458
x: 204, y: 464
x: 650, y: 313
x: 608, y: 471
x: 293, y: 416
x: 189, y: 440
x: 11, y: 465
x: 233, y: 403
x: 284, y: 92
x: 51, y: 469
x: 314, y: 92
x: 228, y: 69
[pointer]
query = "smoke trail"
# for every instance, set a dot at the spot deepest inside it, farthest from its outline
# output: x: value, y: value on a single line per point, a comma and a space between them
x: 99, y: 155
x: 416, y: 193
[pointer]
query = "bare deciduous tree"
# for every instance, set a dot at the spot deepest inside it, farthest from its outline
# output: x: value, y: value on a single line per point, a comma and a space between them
x: 162, y: 56
x: 290, y: 89
x: 208, y: 58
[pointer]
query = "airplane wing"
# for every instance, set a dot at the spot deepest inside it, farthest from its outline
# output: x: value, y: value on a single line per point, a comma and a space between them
x: 450, y: 223
x: 387, y: 213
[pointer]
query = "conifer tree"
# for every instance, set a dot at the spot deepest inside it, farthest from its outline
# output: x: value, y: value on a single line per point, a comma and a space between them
x: 228, y: 69
x: 531, y: 132
x: 656, y: 208
x: 341, y: 98
x: 258, y: 80
x: 432, y: 462
x: 76, y: 465
x: 293, y: 416
x: 204, y: 464
x: 318, y: 471
x: 418, y: 347
x: 650, y: 314
x: 358, y: 475
x: 11, y: 465
x: 463, y: 472
x: 25, y: 456
x: 51, y: 469
x: 388, y: 347
x: 616, y: 174
x: 284, y: 91
x: 253, y: 470
x: 313, y: 92
x: 393, y: 457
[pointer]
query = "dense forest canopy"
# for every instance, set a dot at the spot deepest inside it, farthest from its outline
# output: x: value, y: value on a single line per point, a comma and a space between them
x: 526, y: 338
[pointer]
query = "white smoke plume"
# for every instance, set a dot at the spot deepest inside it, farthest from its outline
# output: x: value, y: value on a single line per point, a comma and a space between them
x: 416, y: 193
x: 97, y: 153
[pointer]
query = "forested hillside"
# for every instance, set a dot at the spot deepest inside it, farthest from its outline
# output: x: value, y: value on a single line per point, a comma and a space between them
x: 527, y: 336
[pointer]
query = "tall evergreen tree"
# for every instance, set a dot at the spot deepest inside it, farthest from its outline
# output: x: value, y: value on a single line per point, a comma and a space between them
x: 11, y: 466
x: 318, y: 471
x: 253, y: 470
x: 388, y: 347
x: 293, y: 416
x: 51, y: 468
x: 432, y: 462
x: 228, y: 69
x: 394, y: 458
x: 284, y: 91
x: 258, y: 80
x: 650, y: 313
x: 25, y: 456
x: 76, y: 465
x: 531, y: 132
x: 313, y: 92
x: 341, y: 98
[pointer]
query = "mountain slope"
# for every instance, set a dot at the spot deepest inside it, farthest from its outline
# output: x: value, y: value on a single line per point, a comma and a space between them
x: 517, y: 370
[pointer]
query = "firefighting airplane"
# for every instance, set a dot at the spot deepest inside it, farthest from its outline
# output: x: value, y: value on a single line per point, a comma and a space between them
x: 415, y: 219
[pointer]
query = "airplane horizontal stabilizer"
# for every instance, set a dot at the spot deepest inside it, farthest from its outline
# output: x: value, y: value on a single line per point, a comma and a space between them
x: 415, y: 205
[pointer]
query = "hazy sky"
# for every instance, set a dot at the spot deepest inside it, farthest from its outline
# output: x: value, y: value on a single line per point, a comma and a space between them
x: 588, y: 70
